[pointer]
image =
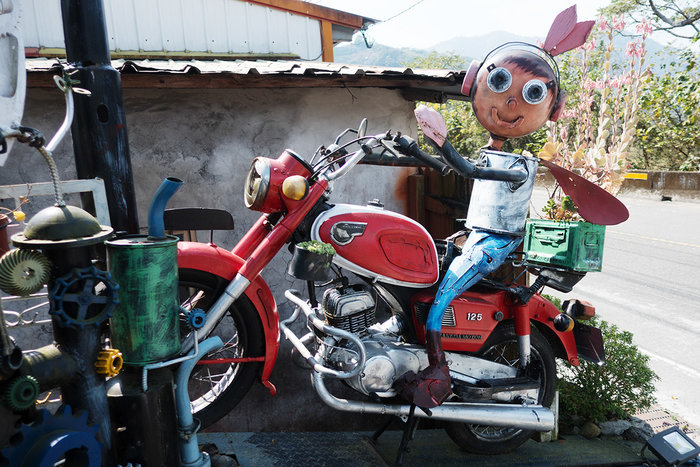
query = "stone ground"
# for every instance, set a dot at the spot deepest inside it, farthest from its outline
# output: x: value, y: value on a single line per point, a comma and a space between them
x: 428, y: 448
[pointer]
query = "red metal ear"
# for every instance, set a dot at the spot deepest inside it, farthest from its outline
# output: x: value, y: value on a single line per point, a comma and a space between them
x: 558, y: 106
x: 470, y: 78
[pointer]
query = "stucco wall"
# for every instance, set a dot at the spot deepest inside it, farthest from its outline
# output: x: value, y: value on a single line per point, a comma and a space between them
x: 208, y: 138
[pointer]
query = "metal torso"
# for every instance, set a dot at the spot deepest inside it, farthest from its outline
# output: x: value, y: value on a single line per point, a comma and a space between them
x: 501, y: 207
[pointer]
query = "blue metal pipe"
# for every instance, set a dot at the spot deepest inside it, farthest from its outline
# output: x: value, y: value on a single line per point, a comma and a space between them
x: 156, y: 229
x: 189, y: 449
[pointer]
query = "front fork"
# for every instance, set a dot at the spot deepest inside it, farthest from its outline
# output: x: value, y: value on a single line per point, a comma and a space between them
x: 523, y: 330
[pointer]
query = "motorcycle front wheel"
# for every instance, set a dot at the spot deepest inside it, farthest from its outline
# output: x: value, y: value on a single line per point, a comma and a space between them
x: 215, y: 389
x: 502, y: 347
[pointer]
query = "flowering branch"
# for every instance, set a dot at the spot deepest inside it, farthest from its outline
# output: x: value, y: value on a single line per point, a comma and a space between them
x: 604, y: 120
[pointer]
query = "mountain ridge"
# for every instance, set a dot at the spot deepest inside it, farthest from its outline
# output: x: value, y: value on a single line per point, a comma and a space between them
x: 470, y: 48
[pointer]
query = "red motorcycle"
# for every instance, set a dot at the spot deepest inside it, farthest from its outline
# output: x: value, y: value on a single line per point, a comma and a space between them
x: 369, y: 327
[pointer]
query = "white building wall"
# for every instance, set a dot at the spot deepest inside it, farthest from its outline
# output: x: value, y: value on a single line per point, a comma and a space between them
x: 195, y: 26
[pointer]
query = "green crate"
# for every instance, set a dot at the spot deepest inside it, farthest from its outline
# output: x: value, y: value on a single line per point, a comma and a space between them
x: 577, y: 246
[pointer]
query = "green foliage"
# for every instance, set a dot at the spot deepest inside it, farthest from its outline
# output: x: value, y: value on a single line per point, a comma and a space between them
x: 615, y: 390
x: 317, y: 247
x: 668, y: 132
x: 560, y: 211
x: 438, y: 61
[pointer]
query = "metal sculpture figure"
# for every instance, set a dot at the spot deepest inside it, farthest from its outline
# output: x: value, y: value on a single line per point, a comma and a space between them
x: 514, y: 91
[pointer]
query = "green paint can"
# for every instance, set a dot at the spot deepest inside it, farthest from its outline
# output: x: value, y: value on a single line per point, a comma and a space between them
x: 145, y: 325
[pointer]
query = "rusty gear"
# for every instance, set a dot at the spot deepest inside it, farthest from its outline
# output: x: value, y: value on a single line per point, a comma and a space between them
x: 23, y: 272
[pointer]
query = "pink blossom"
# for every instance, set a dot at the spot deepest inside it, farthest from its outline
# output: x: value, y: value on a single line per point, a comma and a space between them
x: 568, y: 113
x: 588, y: 45
x: 590, y: 84
x: 635, y: 49
x: 602, y: 23
x: 619, y: 23
x: 644, y: 28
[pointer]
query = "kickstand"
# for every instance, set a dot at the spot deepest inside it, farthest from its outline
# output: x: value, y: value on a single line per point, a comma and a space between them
x: 408, y: 432
x: 375, y: 437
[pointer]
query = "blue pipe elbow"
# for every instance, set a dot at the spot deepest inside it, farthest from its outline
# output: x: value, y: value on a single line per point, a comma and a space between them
x: 156, y: 228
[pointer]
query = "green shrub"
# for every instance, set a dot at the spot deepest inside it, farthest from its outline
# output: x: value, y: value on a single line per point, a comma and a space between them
x: 617, y: 389
x: 317, y: 247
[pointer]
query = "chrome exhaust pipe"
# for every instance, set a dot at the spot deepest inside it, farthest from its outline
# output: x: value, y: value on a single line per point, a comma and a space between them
x: 532, y: 417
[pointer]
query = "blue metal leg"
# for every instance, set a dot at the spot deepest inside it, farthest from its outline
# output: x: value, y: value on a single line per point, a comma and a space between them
x: 482, y: 254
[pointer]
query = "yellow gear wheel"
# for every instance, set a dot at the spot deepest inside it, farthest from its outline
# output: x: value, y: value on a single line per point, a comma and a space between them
x: 109, y: 362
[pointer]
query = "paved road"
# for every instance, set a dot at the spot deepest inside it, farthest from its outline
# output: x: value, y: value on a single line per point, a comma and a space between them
x: 650, y: 286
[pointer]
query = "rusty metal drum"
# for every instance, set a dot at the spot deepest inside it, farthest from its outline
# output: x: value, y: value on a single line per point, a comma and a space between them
x: 502, y: 207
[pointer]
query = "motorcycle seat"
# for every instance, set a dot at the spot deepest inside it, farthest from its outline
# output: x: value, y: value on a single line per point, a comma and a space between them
x: 184, y: 222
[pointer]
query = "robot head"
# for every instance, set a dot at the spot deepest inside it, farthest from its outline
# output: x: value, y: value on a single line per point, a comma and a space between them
x: 514, y: 91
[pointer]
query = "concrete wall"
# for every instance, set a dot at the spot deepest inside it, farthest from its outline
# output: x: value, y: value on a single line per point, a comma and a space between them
x: 681, y: 185
x: 674, y: 185
x: 208, y: 139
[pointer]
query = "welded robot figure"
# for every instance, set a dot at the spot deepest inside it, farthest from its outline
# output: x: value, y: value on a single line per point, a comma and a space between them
x: 514, y: 91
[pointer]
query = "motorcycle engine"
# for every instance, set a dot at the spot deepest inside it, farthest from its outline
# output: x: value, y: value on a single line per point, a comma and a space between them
x: 352, y: 310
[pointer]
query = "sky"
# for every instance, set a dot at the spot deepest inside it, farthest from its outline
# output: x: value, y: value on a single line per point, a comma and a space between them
x: 433, y: 21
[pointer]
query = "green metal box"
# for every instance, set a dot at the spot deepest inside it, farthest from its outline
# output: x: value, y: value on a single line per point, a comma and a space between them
x: 577, y: 246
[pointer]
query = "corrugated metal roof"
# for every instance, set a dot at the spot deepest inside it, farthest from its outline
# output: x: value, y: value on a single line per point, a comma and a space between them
x: 437, y: 85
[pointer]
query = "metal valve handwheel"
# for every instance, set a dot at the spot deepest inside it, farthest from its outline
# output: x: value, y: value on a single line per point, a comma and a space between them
x: 87, y: 307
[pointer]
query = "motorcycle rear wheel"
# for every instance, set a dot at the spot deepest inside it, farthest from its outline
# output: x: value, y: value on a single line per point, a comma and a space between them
x: 215, y: 389
x: 502, y: 347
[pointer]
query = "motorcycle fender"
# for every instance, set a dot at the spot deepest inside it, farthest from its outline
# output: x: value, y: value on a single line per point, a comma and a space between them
x: 215, y: 260
x: 543, y: 313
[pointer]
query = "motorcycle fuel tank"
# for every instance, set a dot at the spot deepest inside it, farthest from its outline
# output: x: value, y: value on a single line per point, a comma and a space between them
x: 379, y: 244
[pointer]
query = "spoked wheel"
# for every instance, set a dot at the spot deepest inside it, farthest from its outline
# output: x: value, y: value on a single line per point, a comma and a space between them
x: 502, y: 347
x: 216, y: 388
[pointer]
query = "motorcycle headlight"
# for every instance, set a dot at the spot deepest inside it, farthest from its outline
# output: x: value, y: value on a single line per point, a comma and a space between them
x: 257, y: 183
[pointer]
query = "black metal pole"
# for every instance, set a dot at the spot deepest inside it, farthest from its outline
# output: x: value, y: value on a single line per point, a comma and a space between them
x: 99, y: 132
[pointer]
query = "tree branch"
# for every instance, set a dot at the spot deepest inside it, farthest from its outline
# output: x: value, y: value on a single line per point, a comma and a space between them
x: 688, y: 21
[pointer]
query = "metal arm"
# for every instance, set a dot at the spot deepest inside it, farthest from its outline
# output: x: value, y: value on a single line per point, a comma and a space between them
x: 469, y: 169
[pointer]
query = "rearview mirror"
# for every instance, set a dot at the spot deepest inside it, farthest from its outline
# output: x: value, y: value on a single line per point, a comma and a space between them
x: 362, y: 131
x: 432, y: 124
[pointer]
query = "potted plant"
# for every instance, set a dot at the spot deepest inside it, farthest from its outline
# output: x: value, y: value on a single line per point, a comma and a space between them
x: 311, y: 260
x: 592, y: 138
x: 563, y: 239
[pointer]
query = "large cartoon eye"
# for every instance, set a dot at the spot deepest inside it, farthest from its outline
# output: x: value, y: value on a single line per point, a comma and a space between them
x: 534, y: 91
x: 499, y: 80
